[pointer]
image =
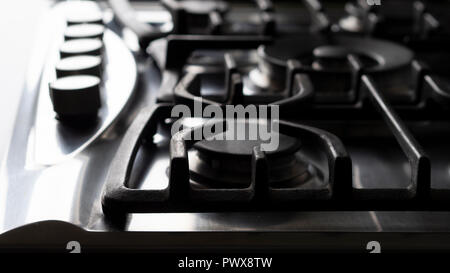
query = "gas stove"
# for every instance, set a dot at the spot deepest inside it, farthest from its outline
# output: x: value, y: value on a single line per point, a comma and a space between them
x: 353, y: 95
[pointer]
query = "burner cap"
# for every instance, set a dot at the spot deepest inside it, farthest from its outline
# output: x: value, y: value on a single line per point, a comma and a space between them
x: 244, y: 148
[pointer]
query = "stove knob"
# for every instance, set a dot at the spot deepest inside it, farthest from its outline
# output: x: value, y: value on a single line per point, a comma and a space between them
x: 84, y: 12
x: 81, y: 47
x: 90, y: 18
x: 79, y: 65
x: 76, y: 97
x: 84, y: 31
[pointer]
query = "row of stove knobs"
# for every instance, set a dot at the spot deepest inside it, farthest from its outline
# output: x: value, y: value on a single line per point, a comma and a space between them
x: 75, y: 93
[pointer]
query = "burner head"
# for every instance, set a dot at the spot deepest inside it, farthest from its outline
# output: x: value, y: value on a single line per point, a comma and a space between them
x: 211, y: 68
x: 244, y: 148
x: 385, y: 61
x: 228, y: 163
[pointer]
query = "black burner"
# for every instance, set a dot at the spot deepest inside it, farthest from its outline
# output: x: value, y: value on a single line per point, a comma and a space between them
x: 227, y: 163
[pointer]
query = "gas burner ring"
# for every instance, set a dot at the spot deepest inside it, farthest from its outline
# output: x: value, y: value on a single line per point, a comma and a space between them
x: 388, y: 56
x: 323, y: 150
x: 228, y: 162
x: 324, y: 61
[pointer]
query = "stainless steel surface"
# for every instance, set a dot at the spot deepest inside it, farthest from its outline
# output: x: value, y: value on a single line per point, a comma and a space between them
x: 54, y: 175
x: 308, y: 221
x: 54, y: 166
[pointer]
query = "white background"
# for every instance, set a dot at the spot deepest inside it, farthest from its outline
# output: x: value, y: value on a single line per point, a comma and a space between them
x: 19, y: 21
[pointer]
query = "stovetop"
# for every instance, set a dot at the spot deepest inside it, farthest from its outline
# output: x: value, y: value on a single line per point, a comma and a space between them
x: 356, y: 92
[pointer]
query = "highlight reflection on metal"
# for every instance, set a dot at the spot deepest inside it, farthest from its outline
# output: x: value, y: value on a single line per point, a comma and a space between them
x: 69, y: 190
x: 317, y: 221
x: 49, y: 163
x: 63, y: 192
